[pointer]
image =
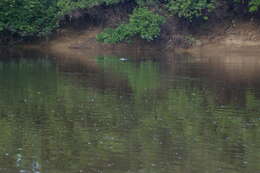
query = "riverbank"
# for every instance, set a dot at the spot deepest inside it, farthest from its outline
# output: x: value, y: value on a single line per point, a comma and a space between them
x: 221, y: 31
x: 225, y: 27
x: 241, y: 35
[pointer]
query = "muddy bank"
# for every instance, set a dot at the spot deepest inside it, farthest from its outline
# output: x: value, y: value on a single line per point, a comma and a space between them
x: 84, y: 43
x: 244, y: 36
x: 217, y: 33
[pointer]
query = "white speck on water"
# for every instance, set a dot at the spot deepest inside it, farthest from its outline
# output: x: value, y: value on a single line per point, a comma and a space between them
x: 245, y: 162
x: 123, y: 59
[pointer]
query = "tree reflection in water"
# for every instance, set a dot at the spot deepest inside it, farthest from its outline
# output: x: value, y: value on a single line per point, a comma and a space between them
x: 127, y: 116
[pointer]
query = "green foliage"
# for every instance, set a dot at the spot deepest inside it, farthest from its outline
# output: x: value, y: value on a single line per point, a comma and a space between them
x: 69, y: 5
x: 39, y: 17
x: 121, y: 33
x: 146, y: 2
x: 28, y: 17
x: 190, y: 9
x: 146, y: 23
x: 254, y: 5
x: 142, y: 22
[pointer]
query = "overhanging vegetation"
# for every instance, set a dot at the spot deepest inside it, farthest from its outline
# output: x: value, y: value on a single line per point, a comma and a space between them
x: 41, y: 17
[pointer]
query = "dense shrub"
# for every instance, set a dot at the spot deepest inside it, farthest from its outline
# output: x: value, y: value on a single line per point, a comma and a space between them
x: 69, y: 5
x: 39, y: 17
x: 121, y: 33
x: 142, y: 22
x: 251, y: 5
x: 254, y: 5
x: 146, y: 2
x: 28, y: 17
x: 190, y: 9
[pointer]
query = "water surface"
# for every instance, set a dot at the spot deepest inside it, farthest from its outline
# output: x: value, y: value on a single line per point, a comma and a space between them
x: 112, y: 114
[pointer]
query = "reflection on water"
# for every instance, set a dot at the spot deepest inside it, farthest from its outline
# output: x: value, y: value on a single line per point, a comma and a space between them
x: 178, y: 114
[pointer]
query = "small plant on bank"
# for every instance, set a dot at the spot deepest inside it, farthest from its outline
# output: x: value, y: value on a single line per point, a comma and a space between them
x: 143, y: 23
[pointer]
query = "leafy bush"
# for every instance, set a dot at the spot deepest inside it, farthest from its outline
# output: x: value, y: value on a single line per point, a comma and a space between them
x: 190, y: 9
x: 28, y: 17
x: 142, y: 22
x: 39, y: 17
x: 69, y: 5
x: 251, y: 5
x: 146, y: 2
x: 121, y: 33
x: 254, y: 5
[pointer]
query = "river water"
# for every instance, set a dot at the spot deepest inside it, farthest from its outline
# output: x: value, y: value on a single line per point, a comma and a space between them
x: 120, y: 114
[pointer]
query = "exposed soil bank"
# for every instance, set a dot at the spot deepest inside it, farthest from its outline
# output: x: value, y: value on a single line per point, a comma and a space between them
x: 241, y: 35
x: 85, y: 41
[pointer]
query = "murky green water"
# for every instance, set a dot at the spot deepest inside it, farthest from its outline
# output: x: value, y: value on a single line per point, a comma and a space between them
x: 168, y: 114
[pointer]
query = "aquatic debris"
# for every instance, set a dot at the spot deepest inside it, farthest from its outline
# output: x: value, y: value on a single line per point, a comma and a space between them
x: 18, y: 160
x: 123, y: 59
x: 36, y: 167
